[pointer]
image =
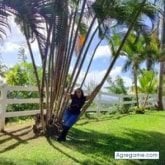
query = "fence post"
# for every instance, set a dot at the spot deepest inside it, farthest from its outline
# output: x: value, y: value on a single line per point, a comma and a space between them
x: 120, y: 100
x: 3, y: 105
x: 98, y: 105
x: 164, y: 102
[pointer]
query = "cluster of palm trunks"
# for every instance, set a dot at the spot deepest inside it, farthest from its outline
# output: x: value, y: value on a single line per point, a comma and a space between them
x: 52, y: 129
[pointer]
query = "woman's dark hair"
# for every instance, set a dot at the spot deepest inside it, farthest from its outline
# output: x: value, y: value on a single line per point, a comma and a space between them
x: 79, y: 89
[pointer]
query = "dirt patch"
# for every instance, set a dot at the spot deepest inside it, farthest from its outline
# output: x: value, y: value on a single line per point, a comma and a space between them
x: 16, y: 134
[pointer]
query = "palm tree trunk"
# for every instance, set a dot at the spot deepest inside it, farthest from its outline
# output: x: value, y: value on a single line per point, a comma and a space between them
x: 84, y: 57
x: 145, y: 100
x: 136, y: 87
x: 160, y: 88
x: 162, y: 68
x: 79, y: 21
x: 147, y: 96
x: 37, y: 78
x: 79, y: 60
x: 81, y: 52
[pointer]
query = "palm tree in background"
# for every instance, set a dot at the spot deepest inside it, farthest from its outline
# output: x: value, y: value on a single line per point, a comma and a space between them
x: 106, y: 26
x: 116, y: 86
x: 60, y: 29
x: 137, y: 49
x: 162, y: 63
x: 147, y: 84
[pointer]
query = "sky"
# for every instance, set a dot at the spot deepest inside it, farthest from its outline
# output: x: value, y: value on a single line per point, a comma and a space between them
x: 9, y: 55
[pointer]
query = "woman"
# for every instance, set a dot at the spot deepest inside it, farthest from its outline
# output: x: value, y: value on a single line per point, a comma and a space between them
x: 72, y: 113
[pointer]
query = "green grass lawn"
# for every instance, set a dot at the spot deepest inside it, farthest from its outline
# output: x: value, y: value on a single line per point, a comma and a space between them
x: 92, y: 142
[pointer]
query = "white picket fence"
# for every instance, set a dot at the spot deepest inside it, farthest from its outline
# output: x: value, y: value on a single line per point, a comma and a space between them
x: 103, y: 98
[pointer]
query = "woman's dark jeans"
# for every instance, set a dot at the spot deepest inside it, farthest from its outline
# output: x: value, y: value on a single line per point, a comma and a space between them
x: 69, y: 119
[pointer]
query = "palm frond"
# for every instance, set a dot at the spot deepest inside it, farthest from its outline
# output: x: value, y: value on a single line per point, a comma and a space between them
x: 121, y: 11
x: 127, y: 66
x: 3, y: 21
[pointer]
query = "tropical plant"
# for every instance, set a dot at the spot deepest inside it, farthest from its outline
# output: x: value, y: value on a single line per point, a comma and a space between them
x: 134, y: 52
x: 22, y: 57
x: 162, y: 63
x: 3, y: 68
x: 117, y: 52
x: 138, y: 49
x: 152, y: 50
x: 58, y: 26
x: 21, y: 74
x: 147, y: 84
x: 117, y: 86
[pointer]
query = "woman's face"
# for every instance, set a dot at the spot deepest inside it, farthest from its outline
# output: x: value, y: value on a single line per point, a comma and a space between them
x: 78, y: 93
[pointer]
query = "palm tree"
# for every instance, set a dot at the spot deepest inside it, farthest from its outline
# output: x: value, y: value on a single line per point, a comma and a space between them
x: 56, y: 26
x: 137, y: 49
x: 117, y: 86
x: 117, y: 52
x: 153, y: 52
x: 147, y: 84
x: 135, y: 55
x: 162, y: 65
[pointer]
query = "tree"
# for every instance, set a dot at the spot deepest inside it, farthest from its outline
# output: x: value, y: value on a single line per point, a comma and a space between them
x: 21, y: 55
x: 134, y: 51
x: 3, y: 68
x: 152, y: 50
x: 162, y: 64
x: 56, y: 25
x: 138, y: 49
x: 117, y: 52
x: 20, y: 75
x: 117, y: 86
x: 147, y: 84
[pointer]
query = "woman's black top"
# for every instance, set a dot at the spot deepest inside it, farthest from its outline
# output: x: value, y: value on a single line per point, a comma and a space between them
x: 76, y: 104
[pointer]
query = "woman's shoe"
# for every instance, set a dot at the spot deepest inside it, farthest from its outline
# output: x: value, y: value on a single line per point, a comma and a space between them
x: 60, y: 139
x: 63, y: 134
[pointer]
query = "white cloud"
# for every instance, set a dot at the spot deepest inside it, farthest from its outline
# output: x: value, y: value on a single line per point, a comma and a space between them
x: 115, y: 72
x: 15, y: 35
x: 34, y: 47
x: 124, y: 57
x: 96, y: 77
x: 103, y: 51
x: 9, y: 47
x: 127, y: 81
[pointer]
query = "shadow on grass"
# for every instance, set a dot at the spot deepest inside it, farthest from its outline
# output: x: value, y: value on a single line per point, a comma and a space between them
x: 12, y: 136
x: 101, y: 147
x: 85, y: 162
x: 21, y: 136
x: 103, y: 118
x: 60, y: 150
x: 15, y: 131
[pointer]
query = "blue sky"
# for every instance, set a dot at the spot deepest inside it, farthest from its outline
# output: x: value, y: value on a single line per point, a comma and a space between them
x: 10, y: 47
